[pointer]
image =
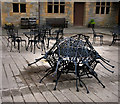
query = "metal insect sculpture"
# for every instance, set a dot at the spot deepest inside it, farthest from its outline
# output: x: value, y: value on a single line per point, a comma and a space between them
x: 73, y: 55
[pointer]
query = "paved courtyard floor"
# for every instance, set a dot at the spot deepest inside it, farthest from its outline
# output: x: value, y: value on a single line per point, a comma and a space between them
x: 20, y: 82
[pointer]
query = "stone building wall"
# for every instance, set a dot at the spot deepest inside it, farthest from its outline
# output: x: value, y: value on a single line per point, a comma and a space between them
x: 9, y: 17
x: 32, y: 11
x: 103, y: 20
x: 0, y: 13
x: 68, y: 15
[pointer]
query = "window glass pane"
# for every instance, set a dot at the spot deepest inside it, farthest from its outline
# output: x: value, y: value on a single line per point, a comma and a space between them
x: 107, y: 10
x: 102, y: 3
x: 15, y: 7
x: 108, y: 4
x: 97, y: 3
x: 102, y: 10
x: 56, y: 8
x: 23, y: 8
x: 49, y: 8
x: 62, y: 8
x: 97, y: 10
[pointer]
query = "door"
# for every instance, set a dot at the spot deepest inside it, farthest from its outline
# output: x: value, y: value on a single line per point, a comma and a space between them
x: 78, y: 13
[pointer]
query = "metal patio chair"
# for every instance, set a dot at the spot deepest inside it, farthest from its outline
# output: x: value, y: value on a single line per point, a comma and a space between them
x: 116, y: 34
x: 14, y: 37
x: 37, y: 40
x: 55, y: 35
x: 95, y: 36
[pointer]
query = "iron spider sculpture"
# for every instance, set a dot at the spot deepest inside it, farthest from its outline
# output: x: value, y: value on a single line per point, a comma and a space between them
x: 73, y: 55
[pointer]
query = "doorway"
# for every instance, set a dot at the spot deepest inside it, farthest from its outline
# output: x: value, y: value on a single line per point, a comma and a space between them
x: 78, y: 13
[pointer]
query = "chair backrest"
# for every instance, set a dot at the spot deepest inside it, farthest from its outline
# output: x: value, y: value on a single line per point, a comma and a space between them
x: 61, y: 30
x: 12, y: 32
x: 40, y: 36
x: 55, y: 34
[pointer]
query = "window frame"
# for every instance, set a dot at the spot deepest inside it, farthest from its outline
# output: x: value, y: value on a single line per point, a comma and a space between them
x: 19, y: 7
x: 53, y: 7
x: 100, y: 6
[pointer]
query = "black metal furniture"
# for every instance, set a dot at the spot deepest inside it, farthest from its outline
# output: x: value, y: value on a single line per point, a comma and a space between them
x: 14, y: 37
x: 56, y: 22
x: 115, y: 34
x: 95, y: 36
x: 8, y: 28
x: 36, y: 37
x: 73, y: 55
x: 55, y: 35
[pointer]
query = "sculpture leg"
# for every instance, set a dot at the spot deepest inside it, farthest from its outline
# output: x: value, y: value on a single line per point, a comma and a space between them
x: 83, y: 84
x: 49, y: 72
x: 58, y: 76
x: 99, y: 81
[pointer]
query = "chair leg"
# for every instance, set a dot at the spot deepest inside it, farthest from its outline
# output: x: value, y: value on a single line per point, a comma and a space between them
x: 25, y: 43
x: 48, y: 43
x: 19, y: 46
x: 101, y: 40
x: 11, y: 46
x: 27, y: 46
x: 113, y: 41
x: 34, y: 47
x: 14, y: 43
x: 8, y: 42
x: 94, y: 39
x: 31, y: 46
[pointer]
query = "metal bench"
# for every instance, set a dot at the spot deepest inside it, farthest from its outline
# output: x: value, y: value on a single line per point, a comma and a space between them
x: 56, y: 22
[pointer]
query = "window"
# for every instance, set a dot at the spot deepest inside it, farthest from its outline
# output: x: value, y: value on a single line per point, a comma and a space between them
x: 23, y: 8
x: 102, y: 7
x: 107, y: 7
x: 19, y: 8
x: 56, y: 7
x: 15, y: 7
